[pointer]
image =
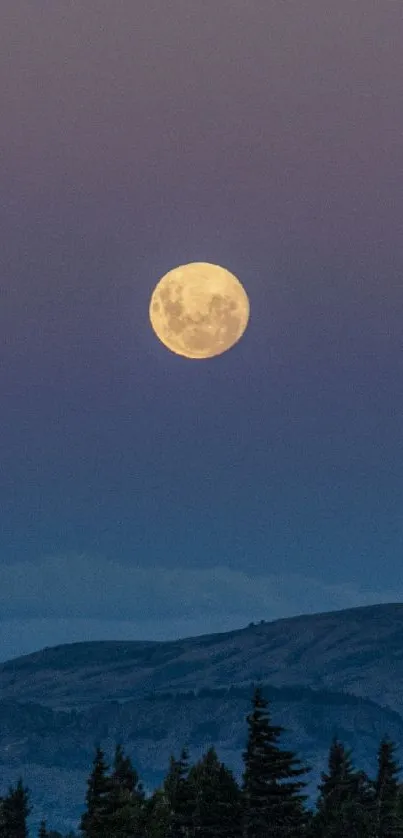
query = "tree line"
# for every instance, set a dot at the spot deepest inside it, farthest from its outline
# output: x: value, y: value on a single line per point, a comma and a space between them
x: 205, y: 800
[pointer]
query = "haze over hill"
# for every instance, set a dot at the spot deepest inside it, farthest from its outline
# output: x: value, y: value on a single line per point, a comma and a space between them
x: 340, y: 671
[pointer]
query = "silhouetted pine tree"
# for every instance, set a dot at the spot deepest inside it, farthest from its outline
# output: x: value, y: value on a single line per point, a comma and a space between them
x: 42, y: 830
x: 94, y: 821
x: 271, y: 807
x: 345, y: 799
x: 125, y: 776
x: 399, y: 802
x: 126, y: 803
x: 14, y: 812
x: 157, y: 815
x: 230, y: 803
x: 217, y: 812
x: 179, y: 796
x: 387, y: 815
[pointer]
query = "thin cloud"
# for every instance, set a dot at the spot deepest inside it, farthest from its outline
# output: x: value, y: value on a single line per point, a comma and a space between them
x: 84, y: 587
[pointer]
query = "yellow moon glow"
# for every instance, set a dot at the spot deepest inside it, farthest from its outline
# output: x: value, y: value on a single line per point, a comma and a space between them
x: 199, y: 310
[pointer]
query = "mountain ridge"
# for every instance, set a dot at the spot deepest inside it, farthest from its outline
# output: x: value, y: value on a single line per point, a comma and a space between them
x: 355, y: 610
x: 323, y: 651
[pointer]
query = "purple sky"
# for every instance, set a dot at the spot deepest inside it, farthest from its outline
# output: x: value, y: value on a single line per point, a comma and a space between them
x: 142, y: 494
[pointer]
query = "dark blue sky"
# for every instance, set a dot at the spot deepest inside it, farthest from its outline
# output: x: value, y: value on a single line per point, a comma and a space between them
x: 145, y: 495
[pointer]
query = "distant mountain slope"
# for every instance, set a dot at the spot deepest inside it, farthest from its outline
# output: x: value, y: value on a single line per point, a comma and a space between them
x: 356, y: 650
x: 340, y: 672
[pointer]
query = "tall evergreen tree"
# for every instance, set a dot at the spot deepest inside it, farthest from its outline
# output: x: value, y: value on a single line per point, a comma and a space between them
x: 272, y: 807
x: 126, y: 804
x: 15, y: 809
x: 94, y: 821
x: 345, y: 799
x: 399, y: 802
x: 230, y: 803
x: 43, y: 833
x: 124, y: 775
x: 217, y: 812
x: 157, y: 815
x: 387, y: 819
x: 1, y: 816
x: 179, y: 796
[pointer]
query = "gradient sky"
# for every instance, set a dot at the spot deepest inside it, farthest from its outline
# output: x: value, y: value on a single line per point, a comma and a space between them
x: 144, y: 495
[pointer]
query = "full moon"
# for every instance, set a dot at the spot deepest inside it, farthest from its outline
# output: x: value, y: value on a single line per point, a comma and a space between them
x: 199, y: 310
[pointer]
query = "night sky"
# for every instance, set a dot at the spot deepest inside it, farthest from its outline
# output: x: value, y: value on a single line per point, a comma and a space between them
x: 144, y: 495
